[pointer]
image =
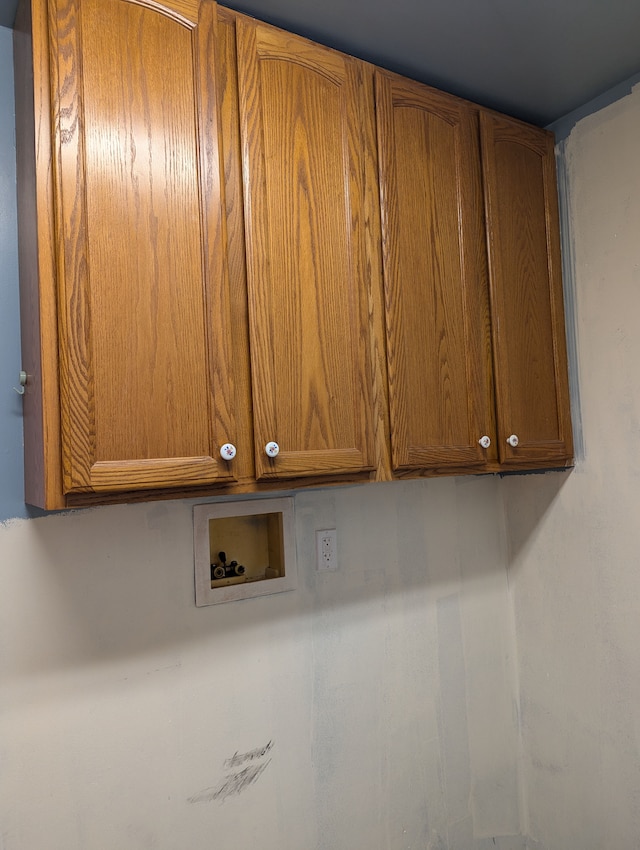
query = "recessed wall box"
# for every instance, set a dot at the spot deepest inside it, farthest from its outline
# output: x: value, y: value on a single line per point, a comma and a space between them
x: 243, y: 549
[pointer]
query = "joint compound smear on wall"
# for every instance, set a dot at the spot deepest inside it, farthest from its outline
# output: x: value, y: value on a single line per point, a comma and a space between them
x: 237, y: 781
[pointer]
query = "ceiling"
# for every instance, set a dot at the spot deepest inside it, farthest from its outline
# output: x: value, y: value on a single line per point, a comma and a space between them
x: 535, y: 59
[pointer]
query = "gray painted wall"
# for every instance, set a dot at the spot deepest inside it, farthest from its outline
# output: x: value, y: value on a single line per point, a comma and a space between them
x: 574, y: 560
x: 387, y: 688
x: 11, y: 463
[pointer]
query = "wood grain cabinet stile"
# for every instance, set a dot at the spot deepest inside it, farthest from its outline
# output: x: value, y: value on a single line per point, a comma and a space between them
x: 145, y: 377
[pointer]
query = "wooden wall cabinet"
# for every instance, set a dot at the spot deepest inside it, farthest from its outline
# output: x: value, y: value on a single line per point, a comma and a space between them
x: 204, y: 212
x: 475, y: 343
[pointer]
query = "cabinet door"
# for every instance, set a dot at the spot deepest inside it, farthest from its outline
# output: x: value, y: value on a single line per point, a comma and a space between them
x: 302, y: 111
x: 532, y: 395
x: 435, y: 277
x: 143, y: 295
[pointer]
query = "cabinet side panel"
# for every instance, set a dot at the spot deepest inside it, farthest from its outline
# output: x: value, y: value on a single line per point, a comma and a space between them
x: 43, y: 478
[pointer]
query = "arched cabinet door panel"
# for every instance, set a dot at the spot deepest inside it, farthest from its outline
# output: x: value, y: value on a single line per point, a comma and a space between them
x: 302, y: 108
x: 146, y: 378
x: 435, y: 277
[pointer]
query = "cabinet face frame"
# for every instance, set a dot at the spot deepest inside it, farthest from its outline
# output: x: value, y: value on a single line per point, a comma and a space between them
x: 528, y: 330
x: 435, y: 277
x: 173, y: 377
x: 312, y: 388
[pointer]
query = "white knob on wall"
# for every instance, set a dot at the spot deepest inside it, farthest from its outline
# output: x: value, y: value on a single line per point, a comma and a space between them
x: 485, y: 441
x: 513, y: 440
x: 272, y: 449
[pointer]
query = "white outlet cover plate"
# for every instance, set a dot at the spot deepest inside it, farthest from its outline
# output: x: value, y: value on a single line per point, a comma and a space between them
x: 326, y: 549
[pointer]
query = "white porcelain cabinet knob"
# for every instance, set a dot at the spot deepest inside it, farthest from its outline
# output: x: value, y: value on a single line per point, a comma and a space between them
x: 513, y: 440
x: 228, y: 451
x: 485, y: 441
x: 272, y: 449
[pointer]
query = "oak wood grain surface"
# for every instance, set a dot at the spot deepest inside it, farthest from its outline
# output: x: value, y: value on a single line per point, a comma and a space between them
x: 145, y: 375
x: 301, y: 108
x: 530, y: 363
x: 207, y: 206
x: 238, y: 329
x: 435, y: 273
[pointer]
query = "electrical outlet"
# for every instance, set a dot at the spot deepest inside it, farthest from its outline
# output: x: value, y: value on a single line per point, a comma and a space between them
x: 326, y: 549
